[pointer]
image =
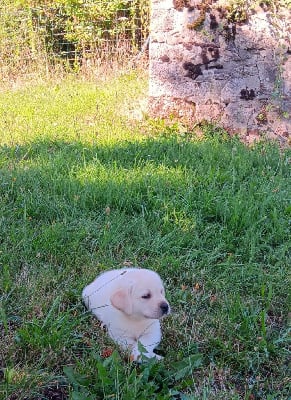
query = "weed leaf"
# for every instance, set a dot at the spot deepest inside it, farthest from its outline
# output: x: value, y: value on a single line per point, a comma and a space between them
x: 185, y: 367
x: 74, y: 378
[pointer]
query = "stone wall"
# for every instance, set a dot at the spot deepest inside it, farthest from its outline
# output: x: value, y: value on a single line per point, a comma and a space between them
x: 227, y: 66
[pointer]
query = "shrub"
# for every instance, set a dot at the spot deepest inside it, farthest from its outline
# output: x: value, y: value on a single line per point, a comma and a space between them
x: 70, y: 30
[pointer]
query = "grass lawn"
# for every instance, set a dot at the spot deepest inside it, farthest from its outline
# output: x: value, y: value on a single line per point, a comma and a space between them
x: 84, y: 188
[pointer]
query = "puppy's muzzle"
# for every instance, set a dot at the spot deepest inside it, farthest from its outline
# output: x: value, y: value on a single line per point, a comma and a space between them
x: 164, y: 307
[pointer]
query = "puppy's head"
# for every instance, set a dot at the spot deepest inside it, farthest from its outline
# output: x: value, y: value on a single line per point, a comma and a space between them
x: 141, y: 294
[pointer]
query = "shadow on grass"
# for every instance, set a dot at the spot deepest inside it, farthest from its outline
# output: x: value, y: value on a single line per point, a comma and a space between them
x: 165, y: 195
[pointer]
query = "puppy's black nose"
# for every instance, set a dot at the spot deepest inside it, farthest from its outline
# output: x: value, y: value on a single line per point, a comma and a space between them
x: 164, y: 307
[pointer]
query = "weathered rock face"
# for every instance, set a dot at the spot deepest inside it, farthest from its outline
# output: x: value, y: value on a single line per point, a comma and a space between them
x: 205, y: 65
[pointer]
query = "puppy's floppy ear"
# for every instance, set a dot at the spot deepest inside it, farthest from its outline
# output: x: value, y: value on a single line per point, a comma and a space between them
x: 122, y: 301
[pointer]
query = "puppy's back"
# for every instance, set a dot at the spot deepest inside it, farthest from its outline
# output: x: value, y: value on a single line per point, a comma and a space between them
x: 98, y: 293
x: 99, y: 287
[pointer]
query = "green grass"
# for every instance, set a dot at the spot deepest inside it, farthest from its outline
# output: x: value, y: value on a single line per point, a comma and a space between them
x: 84, y: 188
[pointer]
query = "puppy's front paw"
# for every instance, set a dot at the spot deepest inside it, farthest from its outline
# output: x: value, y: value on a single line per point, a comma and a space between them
x: 143, y: 357
x: 135, y: 356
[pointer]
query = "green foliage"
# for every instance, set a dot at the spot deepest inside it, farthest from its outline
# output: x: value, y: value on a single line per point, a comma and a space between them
x: 89, y: 25
x: 109, y: 377
x: 70, y: 31
x: 240, y: 10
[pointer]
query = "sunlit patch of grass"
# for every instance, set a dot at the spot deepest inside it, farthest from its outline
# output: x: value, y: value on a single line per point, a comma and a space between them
x: 83, y: 189
x: 69, y: 110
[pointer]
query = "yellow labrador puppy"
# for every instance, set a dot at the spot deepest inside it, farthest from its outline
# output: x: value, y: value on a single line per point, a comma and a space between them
x: 130, y: 303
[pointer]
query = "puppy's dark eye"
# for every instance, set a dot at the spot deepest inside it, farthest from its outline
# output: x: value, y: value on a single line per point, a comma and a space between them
x: 146, y: 296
